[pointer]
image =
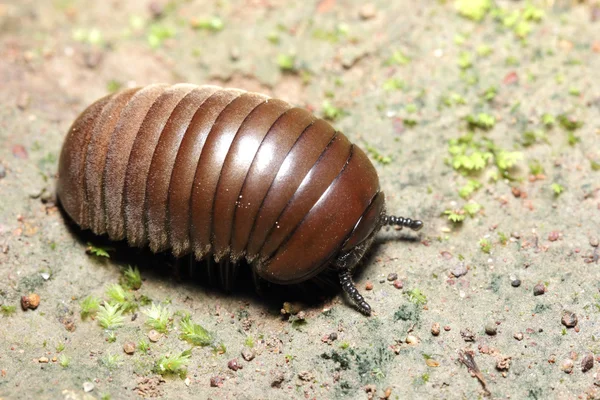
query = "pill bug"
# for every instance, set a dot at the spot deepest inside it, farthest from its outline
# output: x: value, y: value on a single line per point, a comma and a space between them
x: 224, y: 174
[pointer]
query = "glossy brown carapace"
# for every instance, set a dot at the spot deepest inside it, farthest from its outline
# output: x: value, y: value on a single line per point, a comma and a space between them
x: 222, y: 173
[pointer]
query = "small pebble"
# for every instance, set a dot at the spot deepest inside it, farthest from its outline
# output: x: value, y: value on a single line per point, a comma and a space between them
x: 234, y: 365
x: 88, y: 387
x: 412, y: 340
x: 2, y: 171
x: 367, y: 11
x: 369, y: 286
x: 518, y: 336
x: 503, y: 363
x: 129, y: 347
x: 467, y: 335
x: 30, y: 302
x: 539, y: 289
x: 516, y: 235
x: 554, y: 236
x: 216, y: 381
x: 248, y: 354
x: 569, y: 319
x: 567, y: 365
x: 392, y: 276
x: 43, y: 360
x: 154, y: 336
x: 587, y: 363
x: 333, y: 336
x: 459, y: 270
x: 398, y: 284
x: 435, y: 329
x: 305, y: 376
x: 593, y: 239
x: 515, y: 282
x: 278, y: 379
x: 447, y: 328
x: 491, y: 329
x: 387, y: 393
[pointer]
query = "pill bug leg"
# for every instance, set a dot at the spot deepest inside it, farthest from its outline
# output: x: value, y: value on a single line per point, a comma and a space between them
x: 413, y: 224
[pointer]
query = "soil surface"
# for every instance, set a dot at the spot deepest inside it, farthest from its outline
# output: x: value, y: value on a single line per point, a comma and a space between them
x: 483, y: 120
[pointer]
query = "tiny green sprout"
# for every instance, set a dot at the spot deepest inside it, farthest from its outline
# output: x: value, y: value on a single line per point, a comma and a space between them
x: 220, y: 348
x: 249, y: 342
x: 143, y: 346
x: 572, y: 139
x: 557, y: 188
x: 522, y: 29
x: 469, y: 188
x: 475, y: 10
x: 273, y: 37
x: 111, y: 337
x: 536, y: 168
x: 482, y: 121
x: 484, y: 50
x: 111, y: 361
x: 568, y: 123
x: 564, y: 331
x: 60, y: 347
x: 531, y: 137
x: 330, y: 112
x: 374, y: 153
x: 110, y: 316
x: 89, y: 306
x: 393, y: 84
x: 511, y: 61
x: 503, y: 238
x: 506, y: 160
x: 158, y: 34
x: 132, y: 278
x: 212, y: 24
x: 532, y: 13
x: 485, y: 245
x: 548, y: 120
x: 118, y: 295
x: 574, y: 91
x: 490, y: 93
x: 289, y: 358
x: 344, y: 345
x: 105, y: 396
x: 460, y: 39
x: 64, y: 360
x: 7, y: 310
x: 286, y: 62
x: 397, y: 58
x: 173, y: 364
x: 455, y: 216
x: 98, y: 251
x: 595, y: 165
x: 113, y: 86
x: 465, y: 60
x: 472, y: 209
x: 159, y: 317
x: 417, y: 297
x: 194, y: 333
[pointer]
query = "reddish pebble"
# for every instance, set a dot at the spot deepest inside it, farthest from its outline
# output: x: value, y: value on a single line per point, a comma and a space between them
x: 511, y: 78
x: 398, y: 284
x: 216, y: 381
x: 369, y: 286
x: 19, y: 151
x: 554, y: 236
x: 234, y: 365
x: 447, y: 328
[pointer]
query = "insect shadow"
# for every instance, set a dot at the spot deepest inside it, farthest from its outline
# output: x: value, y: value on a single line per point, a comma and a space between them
x: 204, y: 275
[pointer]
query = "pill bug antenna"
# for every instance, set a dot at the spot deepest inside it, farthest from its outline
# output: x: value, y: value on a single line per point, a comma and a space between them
x: 352, y: 292
x: 402, y: 222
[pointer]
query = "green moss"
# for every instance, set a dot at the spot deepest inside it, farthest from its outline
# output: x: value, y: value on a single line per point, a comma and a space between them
x: 194, y: 333
x: 89, y: 306
x: 475, y: 10
x: 173, y: 364
x: 485, y: 245
x: 7, y: 310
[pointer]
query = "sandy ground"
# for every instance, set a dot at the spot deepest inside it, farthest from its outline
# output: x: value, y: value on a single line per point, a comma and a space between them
x: 402, y: 79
